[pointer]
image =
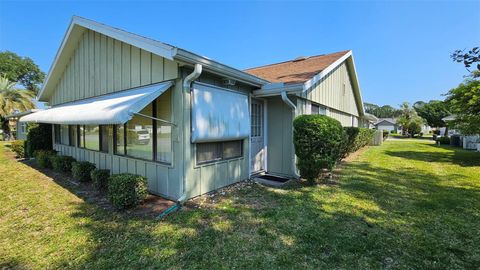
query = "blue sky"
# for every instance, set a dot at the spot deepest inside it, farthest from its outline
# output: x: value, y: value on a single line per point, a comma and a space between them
x: 401, y: 48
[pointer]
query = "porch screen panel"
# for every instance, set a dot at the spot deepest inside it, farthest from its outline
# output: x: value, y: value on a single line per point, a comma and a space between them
x: 218, y: 115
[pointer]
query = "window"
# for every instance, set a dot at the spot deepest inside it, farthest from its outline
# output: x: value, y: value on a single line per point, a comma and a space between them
x: 216, y: 151
x: 81, y: 136
x: 72, y: 134
x: 317, y: 109
x: 56, y: 133
x: 23, y: 127
x: 164, y: 131
x: 105, y: 138
x: 64, y: 135
x: 146, y: 138
x: 257, y: 119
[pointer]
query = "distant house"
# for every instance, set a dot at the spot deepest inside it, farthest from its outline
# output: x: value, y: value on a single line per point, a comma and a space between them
x: 387, y: 124
x: 19, y: 127
x: 186, y: 122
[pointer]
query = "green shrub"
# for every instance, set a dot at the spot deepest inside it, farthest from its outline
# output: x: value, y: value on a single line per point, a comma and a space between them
x: 81, y: 170
x: 385, y: 134
x: 39, y: 137
x: 357, y: 138
x: 444, y: 140
x: 100, y: 179
x: 319, y: 144
x: 126, y: 190
x: 18, y: 148
x: 62, y: 163
x: 43, y: 158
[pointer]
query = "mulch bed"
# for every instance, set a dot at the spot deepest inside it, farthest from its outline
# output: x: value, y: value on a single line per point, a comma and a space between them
x: 152, y: 206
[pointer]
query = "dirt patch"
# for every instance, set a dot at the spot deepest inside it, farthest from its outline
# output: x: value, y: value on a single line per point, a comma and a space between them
x: 152, y: 206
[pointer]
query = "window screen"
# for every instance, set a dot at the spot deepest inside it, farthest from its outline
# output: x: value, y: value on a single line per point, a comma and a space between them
x: 140, y: 135
x: 92, y: 137
x: 56, y: 131
x: 217, y: 151
x: 105, y: 138
x: 72, y: 135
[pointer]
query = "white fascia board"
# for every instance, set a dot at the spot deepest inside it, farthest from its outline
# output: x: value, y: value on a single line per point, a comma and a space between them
x: 275, y: 89
x: 153, y: 46
x: 218, y: 68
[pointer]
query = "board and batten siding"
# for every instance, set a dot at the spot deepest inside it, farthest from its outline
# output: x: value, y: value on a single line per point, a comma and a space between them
x: 204, y: 178
x: 334, y: 91
x: 100, y: 65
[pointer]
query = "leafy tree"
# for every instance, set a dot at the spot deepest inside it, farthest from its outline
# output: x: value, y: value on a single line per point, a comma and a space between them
x: 22, y: 70
x: 409, y: 120
x: 432, y: 112
x: 12, y: 99
x: 468, y: 58
x: 464, y: 102
x: 385, y: 111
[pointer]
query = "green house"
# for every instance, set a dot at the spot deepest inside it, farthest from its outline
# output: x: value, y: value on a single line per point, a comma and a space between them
x: 188, y: 123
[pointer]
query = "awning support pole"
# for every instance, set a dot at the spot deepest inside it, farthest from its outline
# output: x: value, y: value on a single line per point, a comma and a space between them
x: 157, y: 119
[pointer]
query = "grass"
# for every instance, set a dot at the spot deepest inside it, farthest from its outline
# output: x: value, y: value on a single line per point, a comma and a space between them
x: 407, y: 204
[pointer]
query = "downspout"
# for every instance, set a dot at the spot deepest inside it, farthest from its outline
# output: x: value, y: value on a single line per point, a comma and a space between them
x: 187, y: 83
x: 294, y: 110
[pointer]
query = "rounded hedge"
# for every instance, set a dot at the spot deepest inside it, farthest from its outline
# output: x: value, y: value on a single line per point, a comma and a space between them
x: 62, y: 163
x: 319, y: 144
x: 100, y: 179
x: 39, y: 137
x: 43, y: 158
x: 81, y: 170
x: 126, y: 190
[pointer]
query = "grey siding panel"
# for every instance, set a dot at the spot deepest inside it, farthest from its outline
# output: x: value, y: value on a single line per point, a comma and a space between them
x: 101, y: 65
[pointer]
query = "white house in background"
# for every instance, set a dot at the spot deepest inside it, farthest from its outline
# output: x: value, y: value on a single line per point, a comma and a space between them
x: 467, y: 141
x: 387, y: 124
x: 20, y: 127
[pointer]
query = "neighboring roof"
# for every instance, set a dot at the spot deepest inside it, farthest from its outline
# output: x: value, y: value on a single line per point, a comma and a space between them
x: 298, y: 70
x: 19, y: 114
x: 111, y: 109
x: 392, y: 121
x: 370, y: 117
x: 78, y: 25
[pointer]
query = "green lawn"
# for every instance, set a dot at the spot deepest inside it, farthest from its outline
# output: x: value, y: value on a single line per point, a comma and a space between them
x: 405, y: 205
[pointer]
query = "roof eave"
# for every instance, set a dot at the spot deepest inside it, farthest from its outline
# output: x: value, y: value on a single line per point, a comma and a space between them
x: 218, y: 68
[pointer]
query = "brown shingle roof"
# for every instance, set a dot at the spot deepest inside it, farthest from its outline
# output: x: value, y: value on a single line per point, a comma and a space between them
x: 296, y: 71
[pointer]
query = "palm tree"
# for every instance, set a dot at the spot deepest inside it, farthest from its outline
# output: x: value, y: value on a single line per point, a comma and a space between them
x: 12, y: 99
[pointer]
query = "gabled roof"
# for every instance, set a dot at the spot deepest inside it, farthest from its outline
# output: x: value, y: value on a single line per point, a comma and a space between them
x: 392, y: 121
x: 298, y: 70
x: 78, y: 25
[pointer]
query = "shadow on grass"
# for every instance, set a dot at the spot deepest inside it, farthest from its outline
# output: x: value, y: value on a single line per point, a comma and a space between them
x: 374, y: 218
x: 454, y: 155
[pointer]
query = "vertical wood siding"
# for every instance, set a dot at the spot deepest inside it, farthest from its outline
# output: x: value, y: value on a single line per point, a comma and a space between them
x: 102, y: 65
x: 330, y: 91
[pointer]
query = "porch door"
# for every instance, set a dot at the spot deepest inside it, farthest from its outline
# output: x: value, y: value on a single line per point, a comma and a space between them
x: 257, y: 154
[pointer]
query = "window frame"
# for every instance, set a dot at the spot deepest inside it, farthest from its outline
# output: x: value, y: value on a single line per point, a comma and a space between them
x: 154, y: 135
x: 222, y: 159
x: 84, y: 140
x: 71, y: 136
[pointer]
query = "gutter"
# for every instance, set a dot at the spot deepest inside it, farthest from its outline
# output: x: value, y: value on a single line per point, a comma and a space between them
x: 294, y: 110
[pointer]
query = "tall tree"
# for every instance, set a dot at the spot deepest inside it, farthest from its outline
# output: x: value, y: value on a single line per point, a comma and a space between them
x: 21, y: 70
x: 464, y: 101
x: 409, y: 119
x: 432, y: 112
x: 12, y: 99
x: 385, y: 111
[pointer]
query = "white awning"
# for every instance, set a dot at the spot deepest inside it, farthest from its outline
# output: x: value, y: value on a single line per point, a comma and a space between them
x: 115, y: 108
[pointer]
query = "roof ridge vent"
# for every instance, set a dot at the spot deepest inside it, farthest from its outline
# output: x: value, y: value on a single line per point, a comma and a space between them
x: 300, y: 58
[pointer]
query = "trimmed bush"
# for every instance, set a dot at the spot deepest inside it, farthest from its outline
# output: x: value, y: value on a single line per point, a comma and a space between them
x: 62, y: 163
x: 357, y: 138
x: 319, y: 144
x: 100, y: 179
x: 126, y: 190
x: 43, y: 158
x: 444, y: 140
x: 39, y: 137
x: 81, y: 170
x: 18, y: 147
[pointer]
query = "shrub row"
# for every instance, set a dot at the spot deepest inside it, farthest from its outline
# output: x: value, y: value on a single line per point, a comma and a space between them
x: 357, y: 138
x: 123, y: 190
x: 39, y: 137
x: 443, y: 140
x: 18, y: 147
x: 321, y: 141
